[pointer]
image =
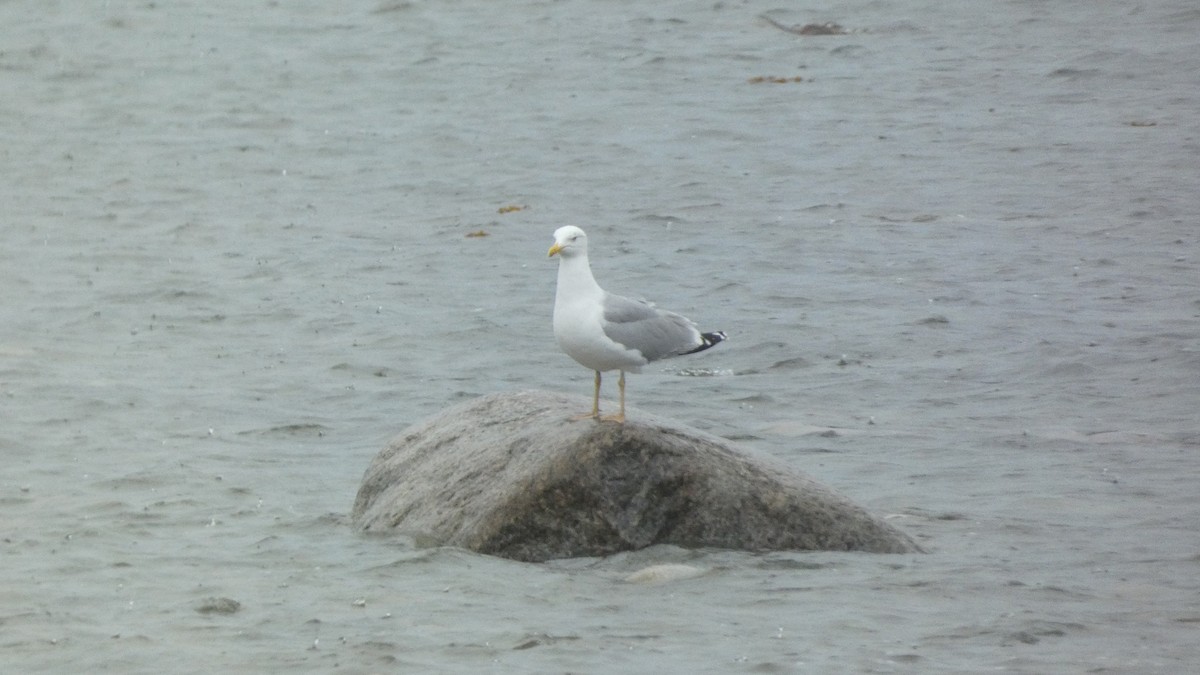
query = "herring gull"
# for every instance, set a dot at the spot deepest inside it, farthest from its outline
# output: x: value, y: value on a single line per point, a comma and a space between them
x: 603, y: 331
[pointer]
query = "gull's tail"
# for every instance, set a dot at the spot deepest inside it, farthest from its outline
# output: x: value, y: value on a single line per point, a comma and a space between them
x: 708, y: 340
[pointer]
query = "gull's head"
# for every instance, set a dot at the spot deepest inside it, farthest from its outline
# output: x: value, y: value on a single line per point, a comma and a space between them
x: 568, y: 241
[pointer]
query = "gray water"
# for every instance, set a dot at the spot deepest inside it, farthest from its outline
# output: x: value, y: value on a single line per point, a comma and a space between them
x: 957, y: 262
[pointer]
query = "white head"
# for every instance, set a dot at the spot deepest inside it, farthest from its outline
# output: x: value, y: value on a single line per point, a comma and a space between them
x: 569, y: 241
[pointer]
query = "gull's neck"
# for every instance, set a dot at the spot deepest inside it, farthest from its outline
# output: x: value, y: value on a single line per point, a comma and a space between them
x: 575, y: 280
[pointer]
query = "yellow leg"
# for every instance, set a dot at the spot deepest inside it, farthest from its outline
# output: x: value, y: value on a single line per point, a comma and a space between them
x: 595, y: 414
x: 596, y: 397
x: 619, y: 417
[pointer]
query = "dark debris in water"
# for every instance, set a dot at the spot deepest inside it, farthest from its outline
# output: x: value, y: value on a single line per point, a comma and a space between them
x: 771, y: 79
x: 218, y: 606
x: 541, y: 639
x: 793, y: 363
x: 950, y: 516
x: 1042, y: 629
x: 808, y: 29
x: 791, y: 563
x: 299, y: 429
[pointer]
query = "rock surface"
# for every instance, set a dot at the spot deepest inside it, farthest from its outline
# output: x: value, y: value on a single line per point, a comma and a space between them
x: 513, y: 475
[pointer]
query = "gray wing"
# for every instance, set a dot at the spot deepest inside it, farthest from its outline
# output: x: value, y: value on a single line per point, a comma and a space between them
x: 655, y: 333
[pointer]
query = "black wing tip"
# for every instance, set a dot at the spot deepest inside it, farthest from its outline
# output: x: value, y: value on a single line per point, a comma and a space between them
x: 709, y: 340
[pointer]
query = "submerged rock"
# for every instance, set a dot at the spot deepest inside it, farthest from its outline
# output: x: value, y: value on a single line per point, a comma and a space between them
x: 513, y: 475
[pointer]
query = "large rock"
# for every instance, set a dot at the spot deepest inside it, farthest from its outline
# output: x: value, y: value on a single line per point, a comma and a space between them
x: 513, y: 475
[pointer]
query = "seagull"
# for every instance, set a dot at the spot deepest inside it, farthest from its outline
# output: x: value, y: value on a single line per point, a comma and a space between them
x: 603, y: 331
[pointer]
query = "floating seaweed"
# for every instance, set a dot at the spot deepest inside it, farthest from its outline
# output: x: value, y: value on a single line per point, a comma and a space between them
x: 827, y: 28
x: 774, y: 80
